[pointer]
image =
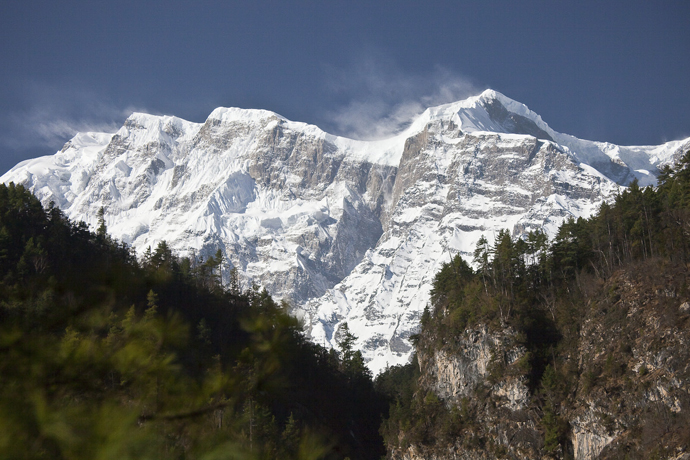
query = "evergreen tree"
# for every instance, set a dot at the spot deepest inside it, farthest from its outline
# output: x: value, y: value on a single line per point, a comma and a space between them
x: 234, y: 281
x: 102, y: 230
x: 99, y: 356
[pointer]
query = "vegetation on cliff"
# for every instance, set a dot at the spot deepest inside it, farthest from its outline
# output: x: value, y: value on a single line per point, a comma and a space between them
x: 589, y: 315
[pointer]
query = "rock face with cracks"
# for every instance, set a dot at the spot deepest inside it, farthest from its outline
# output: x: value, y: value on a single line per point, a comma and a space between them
x: 629, y: 389
x: 345, y: 230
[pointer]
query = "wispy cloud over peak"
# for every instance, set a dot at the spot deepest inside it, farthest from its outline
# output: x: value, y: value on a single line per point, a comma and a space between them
x: 49, y: 115
x: 380, y: 99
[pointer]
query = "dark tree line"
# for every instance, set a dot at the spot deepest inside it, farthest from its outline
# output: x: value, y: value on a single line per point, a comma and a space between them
x: 106, y: 356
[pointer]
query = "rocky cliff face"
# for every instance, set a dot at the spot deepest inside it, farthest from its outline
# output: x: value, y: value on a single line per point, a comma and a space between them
x: 480, y: 378
x: 634, y: 393
x: 629, y: 396
x: 347, y: 231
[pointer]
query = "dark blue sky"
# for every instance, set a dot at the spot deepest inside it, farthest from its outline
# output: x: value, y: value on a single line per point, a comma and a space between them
x: 614, y: 71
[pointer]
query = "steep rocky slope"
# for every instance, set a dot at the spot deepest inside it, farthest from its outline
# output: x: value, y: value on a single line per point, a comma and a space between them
x: 626, y: 394
x: 347, y: 231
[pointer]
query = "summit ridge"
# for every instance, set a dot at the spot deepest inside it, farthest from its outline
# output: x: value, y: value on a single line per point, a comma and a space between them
x: 345, y: 230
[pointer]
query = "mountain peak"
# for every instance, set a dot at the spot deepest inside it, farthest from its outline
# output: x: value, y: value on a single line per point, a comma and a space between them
x: 230, y: 114
x: 346, y: 230
x: 491, y: 93
x: 146, y: 119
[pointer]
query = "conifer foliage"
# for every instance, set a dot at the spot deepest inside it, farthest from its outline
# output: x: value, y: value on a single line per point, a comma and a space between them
x: 105, y: 356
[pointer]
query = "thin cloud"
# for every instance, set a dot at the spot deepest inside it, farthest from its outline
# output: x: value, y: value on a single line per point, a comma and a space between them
x: 382, y: 100
x: 47, y: 116
x: 50, y: 130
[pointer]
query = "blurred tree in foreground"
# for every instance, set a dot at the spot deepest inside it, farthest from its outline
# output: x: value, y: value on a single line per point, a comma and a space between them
x: 103, y: 356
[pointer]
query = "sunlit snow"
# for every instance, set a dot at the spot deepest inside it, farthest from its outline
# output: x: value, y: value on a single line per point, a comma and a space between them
x: 346, y: 230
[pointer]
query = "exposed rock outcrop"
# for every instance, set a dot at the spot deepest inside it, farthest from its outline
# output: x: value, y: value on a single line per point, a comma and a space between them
x: 629, y: 393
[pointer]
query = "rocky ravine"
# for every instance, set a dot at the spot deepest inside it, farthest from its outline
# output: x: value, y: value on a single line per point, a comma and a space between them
x: 345, y: 230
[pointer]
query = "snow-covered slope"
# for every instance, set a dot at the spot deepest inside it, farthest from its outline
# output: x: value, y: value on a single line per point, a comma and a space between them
x: 345, y: 230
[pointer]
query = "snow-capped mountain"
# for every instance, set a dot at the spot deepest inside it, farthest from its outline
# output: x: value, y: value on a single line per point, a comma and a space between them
x: 346, y: 230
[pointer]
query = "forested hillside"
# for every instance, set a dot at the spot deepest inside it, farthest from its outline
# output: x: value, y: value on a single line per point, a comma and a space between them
x: 575, y: 348
x: 104, y: 356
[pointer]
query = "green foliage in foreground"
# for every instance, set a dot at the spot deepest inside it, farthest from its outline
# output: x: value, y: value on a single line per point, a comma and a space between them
x: 102, y: 356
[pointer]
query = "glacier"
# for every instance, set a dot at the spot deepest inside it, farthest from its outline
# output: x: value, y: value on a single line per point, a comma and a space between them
x: 344, y: 230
